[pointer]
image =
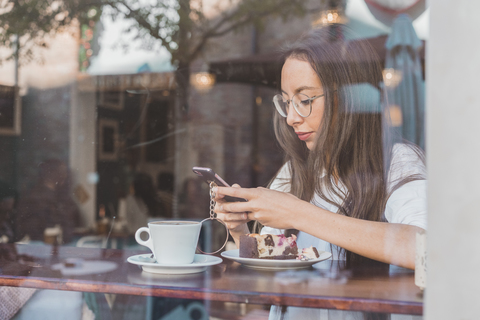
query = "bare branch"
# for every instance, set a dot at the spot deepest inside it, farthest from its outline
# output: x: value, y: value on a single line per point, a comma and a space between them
x: 180, y: 26
x: 142, y: 22
x: 243, y: 19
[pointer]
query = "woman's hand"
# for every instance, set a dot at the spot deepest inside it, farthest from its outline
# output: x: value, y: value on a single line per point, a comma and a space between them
x: 236, y: 222
x: 269, y: 207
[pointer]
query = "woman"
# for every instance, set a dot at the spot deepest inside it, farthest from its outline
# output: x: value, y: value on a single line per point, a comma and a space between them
x: 345, y: 185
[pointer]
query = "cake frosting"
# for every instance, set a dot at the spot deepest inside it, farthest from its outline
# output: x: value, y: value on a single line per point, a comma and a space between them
x: 308, y: 254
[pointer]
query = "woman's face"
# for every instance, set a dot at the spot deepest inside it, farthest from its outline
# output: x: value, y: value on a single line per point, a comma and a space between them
x: 298, y: 76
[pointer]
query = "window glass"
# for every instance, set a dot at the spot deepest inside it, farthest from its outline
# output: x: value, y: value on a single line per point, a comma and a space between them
x: 106, y: 107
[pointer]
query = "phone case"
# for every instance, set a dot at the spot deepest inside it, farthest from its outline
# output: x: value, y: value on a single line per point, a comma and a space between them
x: 208, y: 175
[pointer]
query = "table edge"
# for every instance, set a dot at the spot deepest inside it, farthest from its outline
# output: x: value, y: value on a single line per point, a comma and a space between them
x: 325, y: 302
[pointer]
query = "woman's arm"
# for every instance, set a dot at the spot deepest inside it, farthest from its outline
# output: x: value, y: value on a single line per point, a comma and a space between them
x: 391, y: 243
x: 236, y: 223
x: 387, y: 242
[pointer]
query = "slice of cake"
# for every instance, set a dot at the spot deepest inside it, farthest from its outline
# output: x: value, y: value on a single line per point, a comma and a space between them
x: 308, y: 254
x: 268, y: 246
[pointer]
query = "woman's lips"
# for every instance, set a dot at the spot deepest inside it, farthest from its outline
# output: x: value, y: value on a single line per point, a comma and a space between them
x: 303, y: 135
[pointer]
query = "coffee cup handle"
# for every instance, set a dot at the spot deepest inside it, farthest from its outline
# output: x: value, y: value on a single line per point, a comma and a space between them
x: 147, y: 243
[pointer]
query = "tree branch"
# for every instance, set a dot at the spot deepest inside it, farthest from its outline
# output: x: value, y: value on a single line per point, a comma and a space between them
x: 243, y: 21
x: 141, y: 21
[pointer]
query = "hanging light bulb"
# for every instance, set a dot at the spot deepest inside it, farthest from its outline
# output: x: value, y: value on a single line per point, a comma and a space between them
x: 391, y: 77
x: 332, y: 16
x: 202, y: 81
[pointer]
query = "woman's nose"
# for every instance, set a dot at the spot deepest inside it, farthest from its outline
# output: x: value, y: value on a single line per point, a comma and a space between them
x: 292, y: 116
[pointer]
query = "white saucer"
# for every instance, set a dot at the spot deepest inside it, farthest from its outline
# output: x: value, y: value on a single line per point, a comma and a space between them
x: 200, y: 264
x: 271, y: 264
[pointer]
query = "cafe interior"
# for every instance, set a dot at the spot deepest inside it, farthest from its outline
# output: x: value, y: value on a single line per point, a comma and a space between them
x: 106, y: 108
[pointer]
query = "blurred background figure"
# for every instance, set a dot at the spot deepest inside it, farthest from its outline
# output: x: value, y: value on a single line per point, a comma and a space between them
x: 165, y: 191
x: 194, y: 199
x: 142, y: 202
x: 8, y: 202
x: 49, y: 204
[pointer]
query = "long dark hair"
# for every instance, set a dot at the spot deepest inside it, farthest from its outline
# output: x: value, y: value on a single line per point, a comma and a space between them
x: 354, y: 147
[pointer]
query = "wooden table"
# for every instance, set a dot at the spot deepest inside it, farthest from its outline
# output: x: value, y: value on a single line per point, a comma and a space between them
x: 328, y: 286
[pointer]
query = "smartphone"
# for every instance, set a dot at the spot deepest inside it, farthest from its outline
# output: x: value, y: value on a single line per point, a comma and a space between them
x: 208, y: 175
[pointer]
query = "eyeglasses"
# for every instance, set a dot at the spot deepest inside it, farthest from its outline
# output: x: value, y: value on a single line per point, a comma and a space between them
x: 301, y: 103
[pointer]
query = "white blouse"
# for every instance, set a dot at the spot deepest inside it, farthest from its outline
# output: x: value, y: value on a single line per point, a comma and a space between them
x: 406, y: 205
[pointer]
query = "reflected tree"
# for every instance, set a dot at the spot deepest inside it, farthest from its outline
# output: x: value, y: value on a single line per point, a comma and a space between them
x: 184, y: 27
x: 28, y: 24
x: 180, y: 26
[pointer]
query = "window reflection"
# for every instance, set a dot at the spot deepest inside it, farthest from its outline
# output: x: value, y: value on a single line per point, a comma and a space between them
x: 101, y: 138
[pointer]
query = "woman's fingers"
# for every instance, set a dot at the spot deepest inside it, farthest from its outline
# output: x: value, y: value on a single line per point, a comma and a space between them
x: 220, y: 195
x: 223, y: 212
x: 233, y: 221
x: 221, y: 192
x: 234, y: 207
x: 232, y: 217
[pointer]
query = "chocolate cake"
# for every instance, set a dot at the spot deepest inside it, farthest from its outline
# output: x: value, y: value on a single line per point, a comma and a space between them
x: 268, y: 246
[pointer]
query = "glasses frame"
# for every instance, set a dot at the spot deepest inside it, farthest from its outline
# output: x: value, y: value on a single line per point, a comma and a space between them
x: 282, y: 113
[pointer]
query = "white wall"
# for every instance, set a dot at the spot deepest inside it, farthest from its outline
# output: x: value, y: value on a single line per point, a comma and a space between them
x: 453, y: 151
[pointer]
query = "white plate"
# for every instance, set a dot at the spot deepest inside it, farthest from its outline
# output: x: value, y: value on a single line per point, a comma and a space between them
x: 274, y: 264
x: 200, y: 264
x: 84, y: 267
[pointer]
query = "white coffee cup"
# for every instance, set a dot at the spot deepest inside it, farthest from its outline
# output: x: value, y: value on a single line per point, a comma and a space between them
x: 172, y: 242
